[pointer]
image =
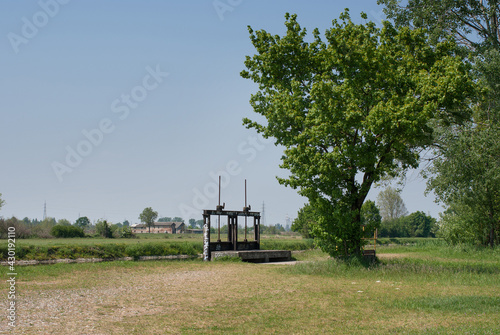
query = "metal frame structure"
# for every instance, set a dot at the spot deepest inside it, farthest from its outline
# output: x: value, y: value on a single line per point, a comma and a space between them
x: 232, y: 242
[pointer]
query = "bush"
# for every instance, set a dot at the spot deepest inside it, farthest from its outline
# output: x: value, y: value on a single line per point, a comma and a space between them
x: 67, y: 231
x: 104, y: 229
x: 22, y: 231
x: 126, y: 232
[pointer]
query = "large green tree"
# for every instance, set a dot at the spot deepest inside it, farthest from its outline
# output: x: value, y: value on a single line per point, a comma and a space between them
x: 351, y: 109
x: 148, y: 217
x: 82, y: 222
x: 473, y: 23
x: 466, y: 177
x: 391, y: 204
x: 465, y: 172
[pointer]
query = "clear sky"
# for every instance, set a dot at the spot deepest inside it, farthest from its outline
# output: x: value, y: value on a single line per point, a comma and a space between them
x: 109, y: 107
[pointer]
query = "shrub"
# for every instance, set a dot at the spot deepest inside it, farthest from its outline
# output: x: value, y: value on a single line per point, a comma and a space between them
x: 67, y: 231
x: 22, y: 231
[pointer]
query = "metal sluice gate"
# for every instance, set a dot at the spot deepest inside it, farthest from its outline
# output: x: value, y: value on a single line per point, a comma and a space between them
x: 232, y: 243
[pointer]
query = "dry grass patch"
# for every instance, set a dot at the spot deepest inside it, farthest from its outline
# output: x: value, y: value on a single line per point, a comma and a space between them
x: 316, y: 297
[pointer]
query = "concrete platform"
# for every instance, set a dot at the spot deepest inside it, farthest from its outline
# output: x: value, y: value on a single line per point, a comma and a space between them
x: 256, y: 256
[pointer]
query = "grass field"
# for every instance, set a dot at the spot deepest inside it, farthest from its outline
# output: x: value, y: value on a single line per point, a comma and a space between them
x: 143, y: 245
x: 419, y: 289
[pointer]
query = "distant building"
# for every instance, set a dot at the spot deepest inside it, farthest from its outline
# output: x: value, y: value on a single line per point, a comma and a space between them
x: 160, y: 228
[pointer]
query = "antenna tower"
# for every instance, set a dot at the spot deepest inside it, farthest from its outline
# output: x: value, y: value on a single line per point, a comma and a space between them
x: 44, y: 210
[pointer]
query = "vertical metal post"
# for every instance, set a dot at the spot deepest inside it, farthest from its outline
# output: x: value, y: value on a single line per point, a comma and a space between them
x: 206, y: 237
x: 235, y: 232
x: 218, y: 221
x: 257, y: 231
x: 245, y: 209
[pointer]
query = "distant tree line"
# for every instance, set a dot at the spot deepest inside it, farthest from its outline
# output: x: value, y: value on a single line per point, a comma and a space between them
x: 63, y: 228
x: 264, y: 230
x: 390, y: 218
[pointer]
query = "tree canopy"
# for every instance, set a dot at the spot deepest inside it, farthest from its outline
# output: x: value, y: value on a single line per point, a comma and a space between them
x: 466, y: 176
x: 370, y: 216
x: 304, y: 221
x: 473, y: 23
x: 351, y: 109
x: 148, y: 217
x: 466, y: 169
x: 391, y: 204
x: 82, y: 222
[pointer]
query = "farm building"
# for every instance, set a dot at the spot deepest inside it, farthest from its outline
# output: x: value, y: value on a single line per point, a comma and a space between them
x: 161, y: 227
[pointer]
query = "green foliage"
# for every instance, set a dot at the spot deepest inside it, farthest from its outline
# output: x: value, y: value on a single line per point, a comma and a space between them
x: 391, y: 204
x: 370, y: 216
x: 22, y: 230
x: 421, y: 225
x: 104, y: 229
x: 417, y: 224
x: 66, y: 231
x: 82, y: 222
x: 108, y: 251
x: 303, y: 244
x: 351, y: 110
x: 466, y: 177
x: 148, y: 217
x: 42, y: 230
x: 413, y: 241
x: 169, y: 219
x: 199, y: 223
x: 472, y: 23
x: 2, y: 202
x: 272, y: 229
x: 305, y: 220
x: 63, y: 222
x: 192, y: 223
x: 126, y: 232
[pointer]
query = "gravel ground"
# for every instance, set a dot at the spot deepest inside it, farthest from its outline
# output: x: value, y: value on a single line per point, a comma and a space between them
x: 84, y: 311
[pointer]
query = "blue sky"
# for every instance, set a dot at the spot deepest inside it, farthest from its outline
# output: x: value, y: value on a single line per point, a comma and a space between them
x: 109, y: 107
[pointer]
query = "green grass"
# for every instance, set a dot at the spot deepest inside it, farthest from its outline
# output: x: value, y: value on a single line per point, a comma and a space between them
x: 426, y: 289
x: 286, y: 244
x: 467, y: 304
x: 105, y: 250
x: 143, y: 245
